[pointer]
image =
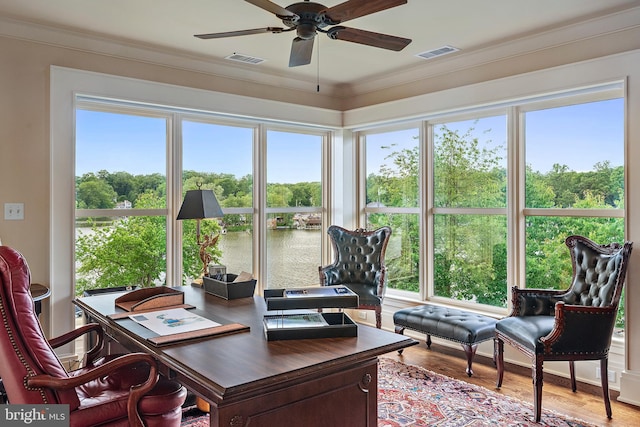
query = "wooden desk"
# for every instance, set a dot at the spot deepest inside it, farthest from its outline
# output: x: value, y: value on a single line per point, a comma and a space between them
x: 247, y: 379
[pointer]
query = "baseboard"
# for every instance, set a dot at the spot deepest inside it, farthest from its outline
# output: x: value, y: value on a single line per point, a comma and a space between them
x: 630, y: 387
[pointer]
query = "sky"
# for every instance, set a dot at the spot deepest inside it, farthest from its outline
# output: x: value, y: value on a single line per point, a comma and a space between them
x: 136, y: 144
x: 578, y: 136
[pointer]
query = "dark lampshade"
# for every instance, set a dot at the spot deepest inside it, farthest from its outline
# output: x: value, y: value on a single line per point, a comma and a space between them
x: 199, y: 204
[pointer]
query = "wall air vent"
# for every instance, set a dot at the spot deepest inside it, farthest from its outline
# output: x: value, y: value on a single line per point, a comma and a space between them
x: 238, y: 57
x: 437, y: 52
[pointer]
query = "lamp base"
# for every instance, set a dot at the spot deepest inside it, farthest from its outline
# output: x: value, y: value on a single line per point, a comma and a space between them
x: 198, y: 282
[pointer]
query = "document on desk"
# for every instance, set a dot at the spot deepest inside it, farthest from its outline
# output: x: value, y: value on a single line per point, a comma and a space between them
x: 311, y: 320
x: 172, y: 321
x: 319, y: 291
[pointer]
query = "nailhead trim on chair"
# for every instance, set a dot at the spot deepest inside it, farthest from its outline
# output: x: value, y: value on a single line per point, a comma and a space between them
x: 20, y: 355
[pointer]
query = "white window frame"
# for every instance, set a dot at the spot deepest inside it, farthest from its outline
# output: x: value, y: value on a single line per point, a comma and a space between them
x: 68, y: 86
x: 515, y: 210
x: 365, y: 210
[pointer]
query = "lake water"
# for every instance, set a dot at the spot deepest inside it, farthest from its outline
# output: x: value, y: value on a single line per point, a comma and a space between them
x: 293, y: 256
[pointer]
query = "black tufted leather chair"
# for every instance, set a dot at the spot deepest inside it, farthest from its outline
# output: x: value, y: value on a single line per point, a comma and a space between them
x: 359, y: 265
x: 570, y: 325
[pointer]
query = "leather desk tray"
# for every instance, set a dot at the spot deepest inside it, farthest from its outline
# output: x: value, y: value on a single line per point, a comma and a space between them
x: 148, y: 299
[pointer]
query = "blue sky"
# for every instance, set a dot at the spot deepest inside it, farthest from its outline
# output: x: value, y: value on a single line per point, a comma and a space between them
x: 578, y: 136
x: 136, y: 144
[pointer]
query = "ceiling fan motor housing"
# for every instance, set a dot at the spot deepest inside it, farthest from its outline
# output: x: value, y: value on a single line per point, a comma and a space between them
x: 308, y: 18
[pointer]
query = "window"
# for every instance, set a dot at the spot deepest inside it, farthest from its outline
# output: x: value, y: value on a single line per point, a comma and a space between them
x: 393, y: 198
x: 574, y: 185
x: 502, y: 189
x: 219, y: 157
x: 135, y: 164
x: 469, y: 165
x: 295, y: 226
x: 121, y: 198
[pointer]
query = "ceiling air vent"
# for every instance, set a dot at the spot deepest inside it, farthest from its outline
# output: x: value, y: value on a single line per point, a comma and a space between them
x: 437, y: 52
x: 245, y: 58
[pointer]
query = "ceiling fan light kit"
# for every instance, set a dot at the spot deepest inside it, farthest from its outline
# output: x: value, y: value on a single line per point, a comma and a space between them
x: 308, y: 18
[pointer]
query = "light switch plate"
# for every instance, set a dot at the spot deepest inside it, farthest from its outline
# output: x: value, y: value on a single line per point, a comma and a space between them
x: 13, y: 211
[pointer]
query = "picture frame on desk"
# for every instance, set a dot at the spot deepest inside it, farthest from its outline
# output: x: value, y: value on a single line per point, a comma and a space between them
x: 217, y: 271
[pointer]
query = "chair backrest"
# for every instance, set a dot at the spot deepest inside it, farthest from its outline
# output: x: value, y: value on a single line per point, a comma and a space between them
x: 599, y: 272
x: 359, y: 255
x: 24, y: 350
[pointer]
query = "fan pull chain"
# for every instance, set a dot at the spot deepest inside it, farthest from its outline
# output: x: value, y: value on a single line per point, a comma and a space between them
x: 318, y: 67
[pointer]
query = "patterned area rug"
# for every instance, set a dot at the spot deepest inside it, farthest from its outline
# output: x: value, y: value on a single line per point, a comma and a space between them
x: 411, y: 396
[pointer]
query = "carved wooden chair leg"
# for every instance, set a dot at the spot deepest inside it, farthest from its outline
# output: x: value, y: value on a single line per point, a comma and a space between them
x: 604, y: 369
x: 572, y: 371
x: 428, y: 342
x: 498, y: 357
x: 378, y: 317
x: 400, y: 330
x: 537, y: 385
x: 470, y: 351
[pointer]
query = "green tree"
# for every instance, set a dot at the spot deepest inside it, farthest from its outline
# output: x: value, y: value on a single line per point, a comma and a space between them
x: 123, y: 184
x: 396, y: 184
x: 306, y: 194
x: 469, y: 248
x: 279, y: 195
x: 93, y: 193
x: 131, y: 252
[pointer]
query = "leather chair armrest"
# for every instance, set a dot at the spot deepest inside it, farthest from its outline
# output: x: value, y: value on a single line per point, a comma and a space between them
x: 135, y: 394
x: 322, y: 276
x: 591, y: 329
x: 534, y: 302
x: 329, y: 275
x: 78, y: 332
x: 381, y: 277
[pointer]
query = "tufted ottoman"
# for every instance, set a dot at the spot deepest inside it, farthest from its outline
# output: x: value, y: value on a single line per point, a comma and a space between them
x: 461, y: 326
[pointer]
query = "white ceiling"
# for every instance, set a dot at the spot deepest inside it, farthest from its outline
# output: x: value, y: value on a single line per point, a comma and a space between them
x: 168, y: 26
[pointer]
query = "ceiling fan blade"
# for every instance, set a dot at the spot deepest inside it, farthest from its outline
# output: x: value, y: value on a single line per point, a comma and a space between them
x: 352, y: 9
x: 301, y: 50
x: 240, y: 33
x: 369, y: 38
x: 271, y: 7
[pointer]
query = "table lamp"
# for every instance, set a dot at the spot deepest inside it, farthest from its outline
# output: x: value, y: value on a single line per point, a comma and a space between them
x: 199, y: 204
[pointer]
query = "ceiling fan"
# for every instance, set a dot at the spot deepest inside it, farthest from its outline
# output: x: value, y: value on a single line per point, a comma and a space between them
x: 309, y: 18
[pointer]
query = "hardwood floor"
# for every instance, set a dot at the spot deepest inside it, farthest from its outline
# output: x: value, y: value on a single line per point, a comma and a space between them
x: 586, y: 403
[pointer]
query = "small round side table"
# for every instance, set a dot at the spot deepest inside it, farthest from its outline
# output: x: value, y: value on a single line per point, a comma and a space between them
x: 38, y: 293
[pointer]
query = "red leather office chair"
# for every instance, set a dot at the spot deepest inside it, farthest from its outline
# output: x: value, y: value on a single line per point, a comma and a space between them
x: 111, y: 391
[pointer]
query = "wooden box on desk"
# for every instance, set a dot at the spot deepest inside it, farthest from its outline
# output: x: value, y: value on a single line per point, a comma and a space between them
x: 337, y: 325
x: 226, y: 288
x: 289, y: 326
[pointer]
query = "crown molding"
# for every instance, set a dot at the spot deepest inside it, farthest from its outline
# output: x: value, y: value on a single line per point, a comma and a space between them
x: 166, y: 57
x: 551, y: 38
